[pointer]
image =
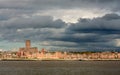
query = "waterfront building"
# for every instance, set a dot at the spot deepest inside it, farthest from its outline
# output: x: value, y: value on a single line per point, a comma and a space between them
x: 33, y: 53
x: 28, y: 51
x: 118, y: 55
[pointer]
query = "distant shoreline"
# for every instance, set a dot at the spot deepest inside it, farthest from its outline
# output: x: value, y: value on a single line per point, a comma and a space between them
x: 59, y: 60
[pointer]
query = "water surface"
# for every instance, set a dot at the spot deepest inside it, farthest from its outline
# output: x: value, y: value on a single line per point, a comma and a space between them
x: 59, y: 67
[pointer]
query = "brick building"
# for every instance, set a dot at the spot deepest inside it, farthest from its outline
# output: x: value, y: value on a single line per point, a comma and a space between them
x: 28, y: 51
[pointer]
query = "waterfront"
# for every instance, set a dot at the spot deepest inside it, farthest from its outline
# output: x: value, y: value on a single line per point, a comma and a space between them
x: 59, y: 67
x: 32, y: 53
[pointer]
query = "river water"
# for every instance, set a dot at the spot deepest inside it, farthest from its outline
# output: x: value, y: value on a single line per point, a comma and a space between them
x: 59, y: 67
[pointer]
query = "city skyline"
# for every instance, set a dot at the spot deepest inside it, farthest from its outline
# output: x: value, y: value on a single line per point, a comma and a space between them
x: 60, y: 24
x: 28, y: 52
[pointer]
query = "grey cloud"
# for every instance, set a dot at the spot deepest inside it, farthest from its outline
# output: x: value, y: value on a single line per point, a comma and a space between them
x: 108, y: 24
x: 59, y: 44
x: 33, y: 22
x: 111, y: 17
x: 18, y: 22
x: 53, y: 4
x: 15, y: 8
x: 97, y: 32
x: 104, y: 28
x: 34, y: 28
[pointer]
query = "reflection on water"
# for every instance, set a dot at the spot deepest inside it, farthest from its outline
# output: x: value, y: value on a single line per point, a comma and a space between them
x: 59, y: 67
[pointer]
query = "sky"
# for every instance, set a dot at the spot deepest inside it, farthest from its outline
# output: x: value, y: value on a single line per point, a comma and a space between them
x: 77, y: 25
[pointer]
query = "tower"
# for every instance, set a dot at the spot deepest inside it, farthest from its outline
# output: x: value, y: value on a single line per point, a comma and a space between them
x: 28, y: 51
x: 28, y: 44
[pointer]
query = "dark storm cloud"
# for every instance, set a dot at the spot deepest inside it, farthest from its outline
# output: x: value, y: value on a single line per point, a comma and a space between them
x: 34, y: 28
x: 17, y: 8
x: 21, y: 20
x: 52, y: 4
x: 111, y: 17
x: 33, y: 22
x: 108, y: 24
x: 97, y: 32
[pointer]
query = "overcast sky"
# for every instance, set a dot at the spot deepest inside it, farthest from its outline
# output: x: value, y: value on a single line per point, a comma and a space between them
x: 60, y: 24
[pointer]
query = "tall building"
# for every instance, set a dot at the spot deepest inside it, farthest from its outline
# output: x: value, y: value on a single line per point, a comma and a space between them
x: 28, y: 44
x: 28, y: 51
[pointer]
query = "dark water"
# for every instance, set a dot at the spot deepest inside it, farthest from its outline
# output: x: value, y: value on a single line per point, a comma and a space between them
x: 59, y: 67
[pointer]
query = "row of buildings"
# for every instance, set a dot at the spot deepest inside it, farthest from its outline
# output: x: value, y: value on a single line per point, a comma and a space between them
x: 29, y: 52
